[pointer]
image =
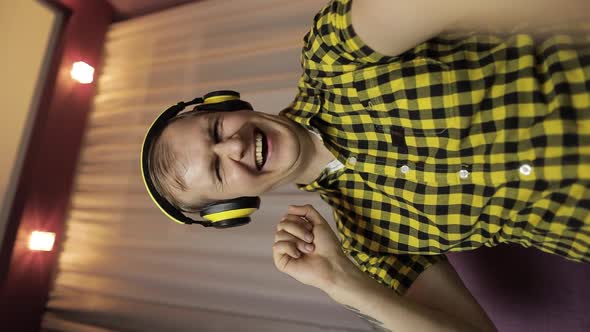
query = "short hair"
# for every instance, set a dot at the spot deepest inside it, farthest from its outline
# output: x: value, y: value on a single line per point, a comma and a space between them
x: 166, y: 169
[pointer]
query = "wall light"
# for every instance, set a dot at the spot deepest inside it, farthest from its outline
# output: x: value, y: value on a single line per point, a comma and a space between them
x: 82, y: 72
x: 41, y: 241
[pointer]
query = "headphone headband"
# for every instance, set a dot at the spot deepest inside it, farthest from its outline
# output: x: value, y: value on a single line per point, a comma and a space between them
x: 224, y: 214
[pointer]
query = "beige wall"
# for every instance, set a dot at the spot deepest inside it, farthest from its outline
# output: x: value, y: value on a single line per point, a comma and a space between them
x: 27, y: 29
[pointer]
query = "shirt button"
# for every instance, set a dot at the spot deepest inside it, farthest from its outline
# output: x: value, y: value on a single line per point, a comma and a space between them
x: 352, y: 160
x: 525, y: 169
x: 463, y: 174
x: 404, y: 169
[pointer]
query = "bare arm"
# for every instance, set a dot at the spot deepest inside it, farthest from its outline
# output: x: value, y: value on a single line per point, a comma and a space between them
x: 437, y: 300
x: 441, y: 288
x: 393, y: 26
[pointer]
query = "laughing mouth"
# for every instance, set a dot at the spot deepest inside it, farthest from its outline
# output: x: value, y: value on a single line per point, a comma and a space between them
x: 261, y: 148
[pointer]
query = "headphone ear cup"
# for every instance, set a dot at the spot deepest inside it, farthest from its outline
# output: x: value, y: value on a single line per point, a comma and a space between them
x: 231, y: 213
x: 225, y: 106
x: 232, y: 223
x: 220, y: 95
x: 224, y: 101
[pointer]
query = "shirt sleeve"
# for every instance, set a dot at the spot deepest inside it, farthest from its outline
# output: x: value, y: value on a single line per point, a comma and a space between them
x: 307, y: 102
x: 394, y: 270
x: 331, y: 52
x: 332, y: 40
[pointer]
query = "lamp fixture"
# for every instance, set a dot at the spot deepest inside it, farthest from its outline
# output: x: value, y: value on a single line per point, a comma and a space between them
x: 82, y: 72
x: 41, y: 241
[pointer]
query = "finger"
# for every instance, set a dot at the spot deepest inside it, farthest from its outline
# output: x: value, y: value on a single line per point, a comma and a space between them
x: 293, y: 225
x: 299, y: 220
x: 282, y: 248
x: 308, y: 224
x: 301, y: 245
x: 308, y: 212
x: 281, y: 260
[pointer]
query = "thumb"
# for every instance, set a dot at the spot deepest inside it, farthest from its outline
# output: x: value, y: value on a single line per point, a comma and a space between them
x: 308, y: 212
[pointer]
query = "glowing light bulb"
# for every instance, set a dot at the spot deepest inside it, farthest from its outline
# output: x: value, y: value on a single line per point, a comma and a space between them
x: 41, y: 241
x: 82, y: 72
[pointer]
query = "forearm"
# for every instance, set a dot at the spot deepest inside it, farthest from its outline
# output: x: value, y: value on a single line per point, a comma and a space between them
x: 500, y: 14
x: 385, y: 309
x: 379, y: 22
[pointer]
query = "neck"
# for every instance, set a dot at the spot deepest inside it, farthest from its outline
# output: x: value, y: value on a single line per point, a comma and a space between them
x: 319, y: 156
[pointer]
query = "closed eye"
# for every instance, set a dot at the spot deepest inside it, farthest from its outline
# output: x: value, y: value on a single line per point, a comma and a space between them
x: 217, y: 139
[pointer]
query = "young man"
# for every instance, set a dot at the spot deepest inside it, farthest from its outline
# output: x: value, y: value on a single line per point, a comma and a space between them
x: 421, y: 144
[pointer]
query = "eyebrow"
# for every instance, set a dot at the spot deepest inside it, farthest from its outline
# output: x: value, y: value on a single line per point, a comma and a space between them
x: 214, y: 161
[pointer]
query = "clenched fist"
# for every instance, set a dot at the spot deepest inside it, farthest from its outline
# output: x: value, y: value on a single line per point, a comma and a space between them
x: 307, y: 249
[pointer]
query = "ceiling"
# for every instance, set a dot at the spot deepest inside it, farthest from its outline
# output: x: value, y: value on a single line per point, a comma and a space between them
x: 126, y: 9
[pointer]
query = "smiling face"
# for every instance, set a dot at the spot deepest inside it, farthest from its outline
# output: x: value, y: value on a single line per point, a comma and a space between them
x: 232, y: 154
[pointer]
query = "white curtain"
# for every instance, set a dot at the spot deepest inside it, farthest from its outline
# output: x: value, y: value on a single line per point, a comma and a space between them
x: 124, y: 266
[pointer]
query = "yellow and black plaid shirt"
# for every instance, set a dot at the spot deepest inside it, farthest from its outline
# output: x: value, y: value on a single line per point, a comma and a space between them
x: 460, y: 142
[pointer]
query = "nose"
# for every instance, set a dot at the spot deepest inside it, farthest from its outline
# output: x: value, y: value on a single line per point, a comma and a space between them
x: 232, y: 147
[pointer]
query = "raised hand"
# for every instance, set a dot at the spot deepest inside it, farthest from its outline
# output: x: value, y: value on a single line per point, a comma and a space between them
x: 307, y: 249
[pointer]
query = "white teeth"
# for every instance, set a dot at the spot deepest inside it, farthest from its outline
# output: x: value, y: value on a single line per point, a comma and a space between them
x: 259, y: 159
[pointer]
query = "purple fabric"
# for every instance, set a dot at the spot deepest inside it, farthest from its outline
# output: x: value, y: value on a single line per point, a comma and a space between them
x: 527, y: 290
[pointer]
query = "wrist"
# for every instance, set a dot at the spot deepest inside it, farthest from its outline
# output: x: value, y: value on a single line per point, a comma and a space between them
x: 346, y: 276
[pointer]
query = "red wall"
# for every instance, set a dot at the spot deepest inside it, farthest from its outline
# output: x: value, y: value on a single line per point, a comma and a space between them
x: 43, y: 191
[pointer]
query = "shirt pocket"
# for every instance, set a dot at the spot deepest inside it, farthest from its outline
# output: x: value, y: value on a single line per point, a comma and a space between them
x: 414, y: 102
x: 415, y: 95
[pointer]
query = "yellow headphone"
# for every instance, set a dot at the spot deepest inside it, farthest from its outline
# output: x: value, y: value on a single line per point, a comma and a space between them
x: 222, y: 214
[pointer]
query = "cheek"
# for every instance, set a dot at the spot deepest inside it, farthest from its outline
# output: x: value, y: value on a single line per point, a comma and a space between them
x: 245, y: 183
x: 240, y: 178
x: 234, y: 121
